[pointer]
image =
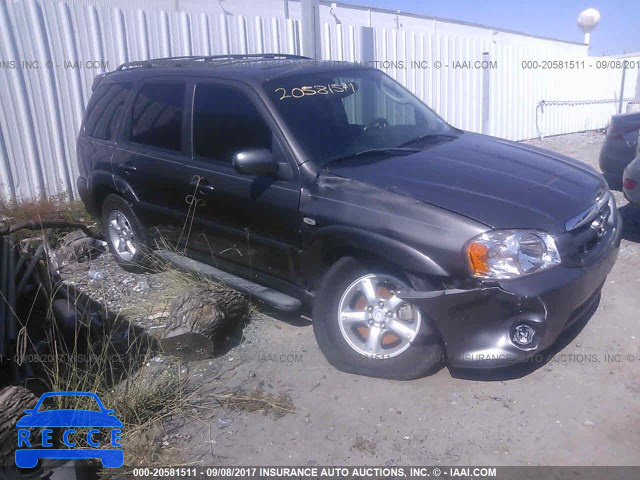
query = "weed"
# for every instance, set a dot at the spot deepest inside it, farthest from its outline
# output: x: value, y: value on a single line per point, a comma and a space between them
x: 257, y: 400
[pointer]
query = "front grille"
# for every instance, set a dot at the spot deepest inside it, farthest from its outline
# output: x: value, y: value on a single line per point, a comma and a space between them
x: 588, y: 236
x: 581, y: 244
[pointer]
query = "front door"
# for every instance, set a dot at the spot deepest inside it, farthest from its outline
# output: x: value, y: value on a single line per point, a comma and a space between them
x: 252, y: 221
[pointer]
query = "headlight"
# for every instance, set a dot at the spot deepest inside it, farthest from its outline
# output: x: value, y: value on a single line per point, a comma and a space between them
x: 504, y: 254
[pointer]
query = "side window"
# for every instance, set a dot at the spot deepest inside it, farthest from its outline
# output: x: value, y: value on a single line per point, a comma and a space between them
x: 104, y: 112
x: 156, y: 116
x: 225, y: 121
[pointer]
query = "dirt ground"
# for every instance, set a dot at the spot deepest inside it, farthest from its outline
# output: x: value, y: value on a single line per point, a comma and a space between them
x: 580, y: 407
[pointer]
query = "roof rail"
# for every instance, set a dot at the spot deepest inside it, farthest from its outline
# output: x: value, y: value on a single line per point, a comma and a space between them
x: 189, y: 60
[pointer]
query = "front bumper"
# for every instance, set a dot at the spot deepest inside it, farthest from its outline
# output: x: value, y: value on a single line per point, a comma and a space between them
x: 477, y: 325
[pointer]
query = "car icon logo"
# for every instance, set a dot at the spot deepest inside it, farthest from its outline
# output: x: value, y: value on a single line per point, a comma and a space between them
x: 27, y: 455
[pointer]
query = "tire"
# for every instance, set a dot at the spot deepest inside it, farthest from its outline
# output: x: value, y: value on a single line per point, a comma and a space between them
x: 134, y: 255
x: 345, y: 344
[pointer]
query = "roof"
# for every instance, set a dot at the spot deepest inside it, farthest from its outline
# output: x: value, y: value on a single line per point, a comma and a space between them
x: 256, y: 67
x: 209, y: 60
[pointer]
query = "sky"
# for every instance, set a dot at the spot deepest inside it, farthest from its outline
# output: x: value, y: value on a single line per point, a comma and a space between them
x: 618, y: 31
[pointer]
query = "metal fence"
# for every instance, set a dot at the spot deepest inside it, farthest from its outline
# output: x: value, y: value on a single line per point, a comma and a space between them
x: 50, y: 52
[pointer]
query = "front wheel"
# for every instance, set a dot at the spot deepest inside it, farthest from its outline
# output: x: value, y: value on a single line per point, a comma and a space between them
x: 362, y: 327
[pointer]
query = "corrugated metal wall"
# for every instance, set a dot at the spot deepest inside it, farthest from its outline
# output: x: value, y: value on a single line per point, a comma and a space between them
x: 43, y: 99
x: 442, y: 71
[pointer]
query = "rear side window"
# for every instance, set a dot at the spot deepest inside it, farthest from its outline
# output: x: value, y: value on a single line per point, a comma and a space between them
x: 104, y: 112
x: 156, y: 115
x: 225, y: 121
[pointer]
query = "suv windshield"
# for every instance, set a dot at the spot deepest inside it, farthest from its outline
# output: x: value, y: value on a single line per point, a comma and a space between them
x: 337, y: 115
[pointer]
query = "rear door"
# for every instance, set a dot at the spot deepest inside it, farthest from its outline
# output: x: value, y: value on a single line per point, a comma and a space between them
x: 152, y: 148
x: 252, y: 221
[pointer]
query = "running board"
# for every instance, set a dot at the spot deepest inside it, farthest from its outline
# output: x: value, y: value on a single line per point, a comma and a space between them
x: 267, y: 295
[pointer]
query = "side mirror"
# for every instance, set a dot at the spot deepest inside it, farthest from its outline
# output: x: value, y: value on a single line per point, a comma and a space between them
x: 257, y: 161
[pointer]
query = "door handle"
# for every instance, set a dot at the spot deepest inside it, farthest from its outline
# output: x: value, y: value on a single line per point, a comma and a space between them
x: 202, y: 184
x: 127, y: 167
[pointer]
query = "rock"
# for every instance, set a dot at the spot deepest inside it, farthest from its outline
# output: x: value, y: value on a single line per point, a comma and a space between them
x: 224, y: 422
x: 142, y: 286
x: 188, y: 346
x: 94, y: 275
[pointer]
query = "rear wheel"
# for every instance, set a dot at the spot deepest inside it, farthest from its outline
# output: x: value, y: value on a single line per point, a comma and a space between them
x: 362, y: 327
x: 125, y: 234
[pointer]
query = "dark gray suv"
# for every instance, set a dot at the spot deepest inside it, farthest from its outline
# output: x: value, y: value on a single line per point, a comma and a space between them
x: 331, y: 186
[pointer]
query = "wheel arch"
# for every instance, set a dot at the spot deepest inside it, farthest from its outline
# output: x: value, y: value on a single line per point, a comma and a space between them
x: 101, y: 184
x: 328, y: 245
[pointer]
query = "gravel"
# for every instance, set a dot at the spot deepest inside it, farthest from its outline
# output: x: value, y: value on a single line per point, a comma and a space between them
x: 142, y: 298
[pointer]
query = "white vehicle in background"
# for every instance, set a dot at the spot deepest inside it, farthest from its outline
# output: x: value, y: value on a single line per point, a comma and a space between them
x: 631, y: 180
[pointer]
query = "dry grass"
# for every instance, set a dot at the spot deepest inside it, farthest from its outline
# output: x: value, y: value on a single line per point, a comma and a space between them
x: 142, y: 388
x: 149, y: 395
x: 125, y: 373
x: 257, y: 400
x: 118, y: 362
x: 53, y: 207
x: 144, y: 402
x: 56, y: 207
x: 144, y: 449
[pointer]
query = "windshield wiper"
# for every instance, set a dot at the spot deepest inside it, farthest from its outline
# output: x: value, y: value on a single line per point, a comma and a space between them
x: 393, y: 151
x: 444, y: 136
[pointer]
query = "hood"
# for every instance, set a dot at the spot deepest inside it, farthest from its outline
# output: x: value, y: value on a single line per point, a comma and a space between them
x: 497, y: 182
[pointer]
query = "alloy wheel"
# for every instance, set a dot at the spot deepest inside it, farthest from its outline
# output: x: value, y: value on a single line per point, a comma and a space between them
x: 373, y: 320
x: 121, y: 235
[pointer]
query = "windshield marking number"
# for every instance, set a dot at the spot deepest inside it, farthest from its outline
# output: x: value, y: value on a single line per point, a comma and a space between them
x: 307, y: 90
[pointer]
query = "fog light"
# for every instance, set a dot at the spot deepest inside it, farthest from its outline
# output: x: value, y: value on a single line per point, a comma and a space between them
x: 523, y: 335
x: 629, y: 184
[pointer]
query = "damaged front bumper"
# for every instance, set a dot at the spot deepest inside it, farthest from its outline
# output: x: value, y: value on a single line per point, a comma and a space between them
x: 478, y: 325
